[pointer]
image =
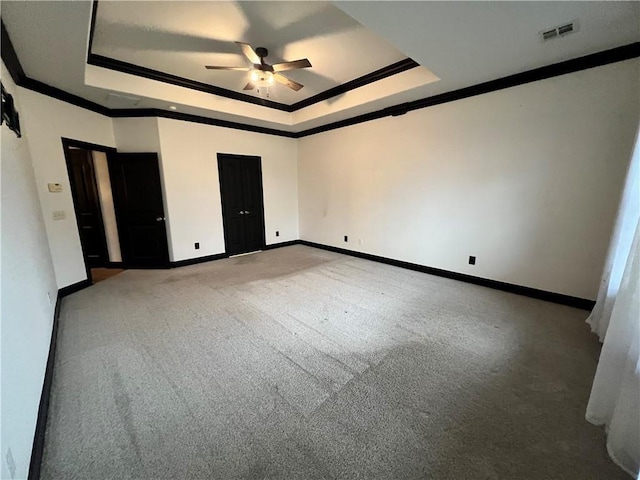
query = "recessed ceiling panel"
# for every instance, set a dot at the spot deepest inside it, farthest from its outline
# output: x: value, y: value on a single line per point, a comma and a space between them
x: 180, y: 38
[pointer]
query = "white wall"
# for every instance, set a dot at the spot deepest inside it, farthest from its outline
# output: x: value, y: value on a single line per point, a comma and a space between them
x: 136, y: 134
x: 101, y: 169
x: 46, y: 121
x: 192, y: 189
x: 27, y: 313
x: 527, y: 179
x: 189, y: 172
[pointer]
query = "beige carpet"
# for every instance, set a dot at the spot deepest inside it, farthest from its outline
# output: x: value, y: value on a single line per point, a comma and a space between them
x: 298, y: 363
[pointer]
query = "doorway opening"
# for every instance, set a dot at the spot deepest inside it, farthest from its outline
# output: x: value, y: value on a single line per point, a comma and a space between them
x: 242, y: 203
x: 119, y: 208
x: 90, y: 182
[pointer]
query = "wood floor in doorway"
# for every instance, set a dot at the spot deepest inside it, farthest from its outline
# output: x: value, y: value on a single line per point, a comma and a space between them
x: 100, y: 274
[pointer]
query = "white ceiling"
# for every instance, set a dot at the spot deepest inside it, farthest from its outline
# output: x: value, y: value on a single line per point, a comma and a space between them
x: 462, y: 43
x: 466, y: 43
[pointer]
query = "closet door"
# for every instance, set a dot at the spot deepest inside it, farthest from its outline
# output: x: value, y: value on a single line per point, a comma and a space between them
x: 242, y: 203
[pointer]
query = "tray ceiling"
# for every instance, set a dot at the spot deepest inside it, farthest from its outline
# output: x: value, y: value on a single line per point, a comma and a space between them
x: 179, y: 38
x: 462, y: 43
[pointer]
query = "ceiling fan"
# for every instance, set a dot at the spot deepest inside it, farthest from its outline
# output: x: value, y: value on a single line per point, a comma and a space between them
x: 262, y: 74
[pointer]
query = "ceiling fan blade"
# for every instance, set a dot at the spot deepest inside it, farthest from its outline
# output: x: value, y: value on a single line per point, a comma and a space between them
x: 288, y: 82
x: 249, y: 86
x: 217, y: 67
x: 281, y: 67
x: 250, y: 53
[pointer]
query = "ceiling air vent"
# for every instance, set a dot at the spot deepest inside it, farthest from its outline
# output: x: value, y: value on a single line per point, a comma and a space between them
x: 559, y: 31
x: 564, y: 29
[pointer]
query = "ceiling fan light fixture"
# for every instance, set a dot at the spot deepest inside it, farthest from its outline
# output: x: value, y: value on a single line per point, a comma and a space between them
x: 261, y: 78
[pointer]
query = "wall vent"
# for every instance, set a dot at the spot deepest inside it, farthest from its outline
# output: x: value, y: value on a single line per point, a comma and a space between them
x: 559, y: 31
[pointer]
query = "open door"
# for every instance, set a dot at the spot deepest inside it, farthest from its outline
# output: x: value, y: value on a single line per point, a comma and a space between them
x: 87, y: 206
x: 137, y: 198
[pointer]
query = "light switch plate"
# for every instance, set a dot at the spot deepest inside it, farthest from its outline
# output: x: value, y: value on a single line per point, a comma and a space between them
x: 59, y: 215
x: 55, y: 187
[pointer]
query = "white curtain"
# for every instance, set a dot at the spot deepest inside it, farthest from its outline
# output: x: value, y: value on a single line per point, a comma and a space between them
x: 615, y: 395
x: 620, y: 247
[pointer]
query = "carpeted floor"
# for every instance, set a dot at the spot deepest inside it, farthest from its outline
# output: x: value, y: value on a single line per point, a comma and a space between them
x: 298, y: 363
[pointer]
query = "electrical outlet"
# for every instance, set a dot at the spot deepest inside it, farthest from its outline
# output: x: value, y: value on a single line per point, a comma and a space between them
x: 472, y: 260
x: 360, y: 242
x: 277, y: 233
x: 346, y: 238
x: 59, y: 215
x: 11, y: 464
x: 196, y: 245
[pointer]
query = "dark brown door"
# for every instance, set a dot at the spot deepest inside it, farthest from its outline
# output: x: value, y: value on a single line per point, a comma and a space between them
x: 87, y: 206
x: 137, y: 198
x: 242, y: 203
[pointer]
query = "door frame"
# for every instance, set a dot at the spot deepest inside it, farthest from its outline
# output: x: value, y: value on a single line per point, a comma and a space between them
x: 67, y: 143
x: 263, y: 232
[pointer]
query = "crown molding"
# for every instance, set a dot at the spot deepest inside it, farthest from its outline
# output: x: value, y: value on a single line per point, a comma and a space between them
x: 144, y: 72
x: 606, y: 57
x: 154, y: 112
x: 9, y: 56
x: 50, y: 91
x: 382, y: 73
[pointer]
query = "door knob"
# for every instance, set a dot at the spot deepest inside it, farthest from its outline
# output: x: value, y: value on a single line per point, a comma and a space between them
x: 246, y: 212
x: 159, y: 219
x: 241, y: 212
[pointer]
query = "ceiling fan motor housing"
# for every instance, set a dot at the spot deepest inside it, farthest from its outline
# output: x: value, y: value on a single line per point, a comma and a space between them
x: 262, y: 52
